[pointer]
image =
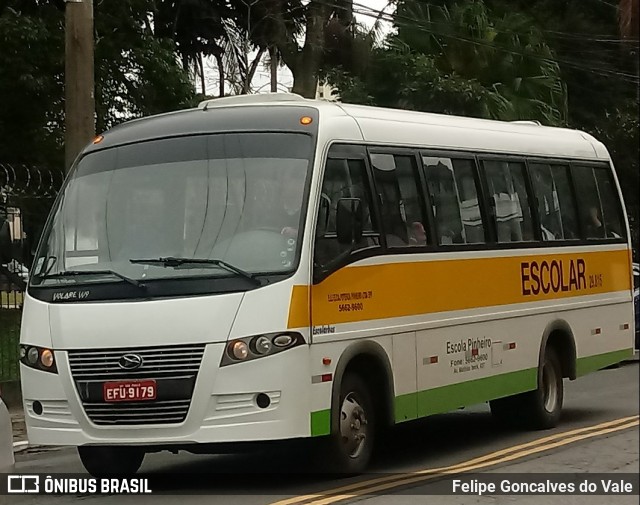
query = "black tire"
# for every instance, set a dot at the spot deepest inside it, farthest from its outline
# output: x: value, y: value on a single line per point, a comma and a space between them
x: 103, y: 461
x: 541, y: 409
x: 346, y: 454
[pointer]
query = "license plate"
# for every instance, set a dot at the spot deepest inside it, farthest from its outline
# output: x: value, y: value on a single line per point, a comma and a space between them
x: 129, y: 391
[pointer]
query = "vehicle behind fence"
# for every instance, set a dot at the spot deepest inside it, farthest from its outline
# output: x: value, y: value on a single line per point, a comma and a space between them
x: 26, y: 195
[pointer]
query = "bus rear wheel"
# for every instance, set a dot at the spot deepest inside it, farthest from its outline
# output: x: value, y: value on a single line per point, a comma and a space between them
x: 538, y: 409
x: 351, y: 446
x: 102, y: 461
x: 542, y: 407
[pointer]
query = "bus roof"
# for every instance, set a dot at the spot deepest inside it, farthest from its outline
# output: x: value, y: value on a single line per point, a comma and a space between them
x: 374, y: 124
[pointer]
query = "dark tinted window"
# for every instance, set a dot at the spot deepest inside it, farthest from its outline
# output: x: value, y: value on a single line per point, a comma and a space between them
x: 554, y: 201
x: 342, y: 179
x: 454, y: 197
x: 611, y: 212
x: 396, y: 179
x: 509, y: 201
x: 598, y: 203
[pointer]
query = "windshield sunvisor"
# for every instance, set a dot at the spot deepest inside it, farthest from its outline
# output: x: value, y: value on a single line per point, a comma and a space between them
x: 205, y: 319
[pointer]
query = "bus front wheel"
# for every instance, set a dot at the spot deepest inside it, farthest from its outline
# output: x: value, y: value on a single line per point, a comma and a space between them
x: 101, y: 461
x: 351, y: 446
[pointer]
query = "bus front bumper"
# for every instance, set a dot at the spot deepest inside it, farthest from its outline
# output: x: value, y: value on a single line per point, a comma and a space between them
x: 224, y: 406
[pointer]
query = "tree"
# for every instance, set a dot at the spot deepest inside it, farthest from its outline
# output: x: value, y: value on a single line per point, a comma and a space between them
x: 31, y: 84
x: 284, y: 23
x: 137, y: 73
x: 461, y: 59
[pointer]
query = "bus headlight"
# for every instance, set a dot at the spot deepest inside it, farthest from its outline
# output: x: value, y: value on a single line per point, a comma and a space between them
x: 262, y: 345
x: 39, y: 358
x: 258, y: 346
x: 239, y: 350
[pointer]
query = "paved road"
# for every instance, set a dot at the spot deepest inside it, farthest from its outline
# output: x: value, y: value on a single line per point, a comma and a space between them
x: 593, y: 437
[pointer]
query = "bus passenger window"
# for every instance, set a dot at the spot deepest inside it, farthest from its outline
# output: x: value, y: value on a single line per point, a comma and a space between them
x: 512, y: 214
x: 396, y: 182
x: 555, y: 204
x: 614, y: 227
x: 455, y: 200
x: 589, y: 203
x: 342, y: 179
x: 598, y: 203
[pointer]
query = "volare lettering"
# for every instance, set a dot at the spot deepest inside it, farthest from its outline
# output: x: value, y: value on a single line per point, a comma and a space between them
x: 67, y: 296
x: 555, y: 276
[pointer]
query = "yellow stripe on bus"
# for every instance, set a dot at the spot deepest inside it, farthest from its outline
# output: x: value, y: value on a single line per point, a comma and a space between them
x: 361, y: 293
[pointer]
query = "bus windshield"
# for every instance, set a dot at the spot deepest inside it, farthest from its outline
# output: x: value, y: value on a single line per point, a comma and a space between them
x: 207, y: 205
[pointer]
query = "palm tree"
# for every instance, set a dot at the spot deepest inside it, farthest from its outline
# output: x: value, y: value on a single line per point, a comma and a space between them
x: 504, y: 54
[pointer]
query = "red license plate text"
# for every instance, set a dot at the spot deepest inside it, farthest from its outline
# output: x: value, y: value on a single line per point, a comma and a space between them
x: 129, y: 391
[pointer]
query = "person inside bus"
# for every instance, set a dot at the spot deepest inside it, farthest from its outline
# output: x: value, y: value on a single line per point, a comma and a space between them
x: 417, y: 234
x: 595, y: 228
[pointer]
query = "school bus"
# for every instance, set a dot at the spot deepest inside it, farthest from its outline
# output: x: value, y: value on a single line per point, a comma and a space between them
x: 267, y: 267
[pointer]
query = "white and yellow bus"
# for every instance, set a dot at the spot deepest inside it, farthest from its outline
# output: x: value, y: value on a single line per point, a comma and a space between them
x: 269, y: 267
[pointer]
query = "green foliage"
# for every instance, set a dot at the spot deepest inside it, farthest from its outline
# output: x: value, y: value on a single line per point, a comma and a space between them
x: 458, y: 59
x: 31, y: 86
x: 137, y: 73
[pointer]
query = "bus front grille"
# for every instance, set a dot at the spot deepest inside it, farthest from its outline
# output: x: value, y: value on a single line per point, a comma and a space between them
x: 157, y: 362
x: 173, y: 368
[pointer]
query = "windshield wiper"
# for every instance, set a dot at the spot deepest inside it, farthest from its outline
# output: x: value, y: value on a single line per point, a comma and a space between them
x: 78, y: 273
x: 172, y: 261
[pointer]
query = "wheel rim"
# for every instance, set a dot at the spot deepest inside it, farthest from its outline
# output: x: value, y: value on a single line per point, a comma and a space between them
x: 353, y: 426
x: 549, y: 385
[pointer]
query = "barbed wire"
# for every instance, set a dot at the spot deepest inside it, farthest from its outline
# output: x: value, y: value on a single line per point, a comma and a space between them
x: 23, y: 180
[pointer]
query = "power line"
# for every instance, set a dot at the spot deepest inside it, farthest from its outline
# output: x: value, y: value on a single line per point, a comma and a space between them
x: 420, y: 26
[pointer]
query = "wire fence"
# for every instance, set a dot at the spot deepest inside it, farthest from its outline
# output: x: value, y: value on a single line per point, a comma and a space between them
x: 26, y: 195
x: 9, y: 340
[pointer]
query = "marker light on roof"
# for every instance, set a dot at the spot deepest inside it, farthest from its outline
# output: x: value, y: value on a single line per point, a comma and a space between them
x: 98, y: 139
x: 305, y: 120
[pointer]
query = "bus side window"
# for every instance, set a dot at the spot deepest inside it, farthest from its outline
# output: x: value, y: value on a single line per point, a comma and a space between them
x: 396, y: 181
x: 614, y: 227
x: 589, y: 202
x: 512, y: 213
x: 555, y: 203
x: 342, y: 179
x: 454, y: 197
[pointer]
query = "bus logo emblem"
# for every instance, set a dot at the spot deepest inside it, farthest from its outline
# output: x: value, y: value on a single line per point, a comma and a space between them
x: 130, y: 362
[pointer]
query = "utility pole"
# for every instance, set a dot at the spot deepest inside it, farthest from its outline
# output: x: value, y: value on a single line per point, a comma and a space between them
x: 80, y: 106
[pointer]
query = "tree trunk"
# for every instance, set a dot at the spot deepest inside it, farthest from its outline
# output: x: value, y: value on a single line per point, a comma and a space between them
x: 221, y: 76
x: 307, y: 67
x: 305, y: 81
x: 251, y: 71
x: 273, y: 60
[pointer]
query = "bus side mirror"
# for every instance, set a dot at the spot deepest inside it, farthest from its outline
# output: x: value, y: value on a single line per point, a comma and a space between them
x: 349, y: 218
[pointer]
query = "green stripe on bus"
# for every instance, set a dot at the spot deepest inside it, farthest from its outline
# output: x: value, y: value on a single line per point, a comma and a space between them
x: 599, y: 361
x: 447, y: 398
x: 320, y: 423
x: 453, y: 396
x: 463, y: 394
x: 406, y: 407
